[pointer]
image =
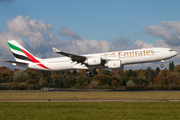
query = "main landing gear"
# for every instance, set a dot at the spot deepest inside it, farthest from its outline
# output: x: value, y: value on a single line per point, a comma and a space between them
x: 91, y: 73
x: 162, y: 65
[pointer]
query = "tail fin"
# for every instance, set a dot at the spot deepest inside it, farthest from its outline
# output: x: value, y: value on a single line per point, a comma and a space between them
x: 20, y: 53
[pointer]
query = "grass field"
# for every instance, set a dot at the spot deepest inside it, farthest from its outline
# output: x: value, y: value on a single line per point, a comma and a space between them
x: 172, y: 95
x: 91, y: 111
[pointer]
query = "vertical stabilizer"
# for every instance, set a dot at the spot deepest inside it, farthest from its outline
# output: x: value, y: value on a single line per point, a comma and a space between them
x: 22, y: 56
x: 20, y: 53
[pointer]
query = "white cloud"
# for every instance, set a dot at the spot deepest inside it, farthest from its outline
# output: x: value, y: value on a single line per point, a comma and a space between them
x: 142, y: 44
x: 170, y: 32
x: 122, y: 44
x: 35, y: 31
x: 41, y: 37
x: 172, y: 25
x: 90, y: 46
x: 68, y: 33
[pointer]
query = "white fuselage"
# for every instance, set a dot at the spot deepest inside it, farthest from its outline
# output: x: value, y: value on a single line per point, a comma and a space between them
x: 126, y: 57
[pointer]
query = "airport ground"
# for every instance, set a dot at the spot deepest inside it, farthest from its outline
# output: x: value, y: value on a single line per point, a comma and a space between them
x: 89, y: 95
x: 149, y: 105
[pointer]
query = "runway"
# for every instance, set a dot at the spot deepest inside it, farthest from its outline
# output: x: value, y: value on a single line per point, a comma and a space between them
x: 1, y: 91
x: 89, y: 100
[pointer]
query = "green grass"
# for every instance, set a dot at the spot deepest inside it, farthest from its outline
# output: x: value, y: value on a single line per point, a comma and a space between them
x: 90, y: 111
x: 166, y: 95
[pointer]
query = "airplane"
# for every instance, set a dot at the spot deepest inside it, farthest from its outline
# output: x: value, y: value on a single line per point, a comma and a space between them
x: 89, y: 62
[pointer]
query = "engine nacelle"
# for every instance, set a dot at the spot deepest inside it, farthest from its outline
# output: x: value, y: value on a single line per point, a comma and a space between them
x: 93, y: 61
x: 113, y: 64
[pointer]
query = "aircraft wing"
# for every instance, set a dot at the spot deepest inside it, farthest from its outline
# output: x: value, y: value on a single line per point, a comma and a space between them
x: 78, y: 58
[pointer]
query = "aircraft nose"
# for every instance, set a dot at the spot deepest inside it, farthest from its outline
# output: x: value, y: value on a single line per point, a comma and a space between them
x: 176, y: 53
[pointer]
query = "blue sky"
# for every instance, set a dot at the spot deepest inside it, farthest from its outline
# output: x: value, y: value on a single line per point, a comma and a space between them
x: 102, y: 20
x: 95, y: 19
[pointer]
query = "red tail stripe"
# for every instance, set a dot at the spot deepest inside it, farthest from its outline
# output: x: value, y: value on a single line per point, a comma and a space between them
x: 30, y: 56
x: 42, y: 66
x: 33, y: 59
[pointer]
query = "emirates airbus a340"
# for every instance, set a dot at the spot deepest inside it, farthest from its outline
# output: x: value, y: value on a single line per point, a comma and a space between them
x: 89, y: 62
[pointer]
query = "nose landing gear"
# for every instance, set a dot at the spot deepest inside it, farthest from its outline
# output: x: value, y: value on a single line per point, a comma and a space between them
x: 91, y: 73
x: 162, y: 65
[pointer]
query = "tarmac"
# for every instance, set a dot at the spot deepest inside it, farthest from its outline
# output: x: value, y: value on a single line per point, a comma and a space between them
x: 89, y: 100
x: 89, y: 91
x: 76, y: 100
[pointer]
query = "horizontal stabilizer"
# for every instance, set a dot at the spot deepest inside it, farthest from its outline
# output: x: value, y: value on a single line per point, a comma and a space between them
x: 18, y: 63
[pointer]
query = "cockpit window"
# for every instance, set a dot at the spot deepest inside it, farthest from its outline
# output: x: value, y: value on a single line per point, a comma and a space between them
x: 171, y: 50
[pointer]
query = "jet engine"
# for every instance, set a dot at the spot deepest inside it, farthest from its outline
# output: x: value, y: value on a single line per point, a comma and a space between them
x: 93, y: 61
x: 113, y: 64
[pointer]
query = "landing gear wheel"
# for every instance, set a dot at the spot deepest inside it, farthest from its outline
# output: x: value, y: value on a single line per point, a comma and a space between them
x: 95, y: 72
x: 161, y: 65
x: 88, y: 73
x: 91, y: 73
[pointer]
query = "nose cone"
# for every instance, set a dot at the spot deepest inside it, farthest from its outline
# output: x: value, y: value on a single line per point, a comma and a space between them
x: 175, y: 53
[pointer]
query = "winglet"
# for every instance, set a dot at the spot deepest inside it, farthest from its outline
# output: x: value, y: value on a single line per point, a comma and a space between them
x: 55, y: 50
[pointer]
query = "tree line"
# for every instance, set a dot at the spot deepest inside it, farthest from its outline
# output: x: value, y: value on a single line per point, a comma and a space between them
x: 141, y: 79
